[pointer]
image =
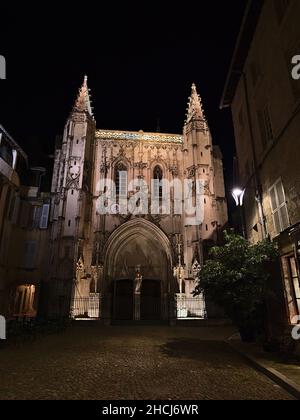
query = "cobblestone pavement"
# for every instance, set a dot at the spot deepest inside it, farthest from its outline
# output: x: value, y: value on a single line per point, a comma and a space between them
x: 152, y: 363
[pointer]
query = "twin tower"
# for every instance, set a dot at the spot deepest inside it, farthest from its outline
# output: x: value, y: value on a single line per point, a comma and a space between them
x: 113, y: 266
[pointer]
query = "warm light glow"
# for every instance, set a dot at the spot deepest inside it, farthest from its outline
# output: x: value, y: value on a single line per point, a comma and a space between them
x: 238, y: 195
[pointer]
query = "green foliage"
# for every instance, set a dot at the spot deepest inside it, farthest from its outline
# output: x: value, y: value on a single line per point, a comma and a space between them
x: 235, y: 278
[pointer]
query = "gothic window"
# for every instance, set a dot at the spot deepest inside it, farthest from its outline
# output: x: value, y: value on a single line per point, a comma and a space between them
x: 158, y: 177
x: 121, y: 180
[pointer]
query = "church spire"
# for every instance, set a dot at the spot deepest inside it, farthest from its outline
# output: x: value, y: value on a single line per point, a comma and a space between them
x: 195, y: 110
x: 83, y: 101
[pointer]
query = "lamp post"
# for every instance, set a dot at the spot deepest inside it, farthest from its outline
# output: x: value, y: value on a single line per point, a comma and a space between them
x: 238, y: 195
x: 179, y: 275
x: 179, y: 270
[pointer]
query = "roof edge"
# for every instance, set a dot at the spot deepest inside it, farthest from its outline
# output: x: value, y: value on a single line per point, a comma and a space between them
x: 241, y: 51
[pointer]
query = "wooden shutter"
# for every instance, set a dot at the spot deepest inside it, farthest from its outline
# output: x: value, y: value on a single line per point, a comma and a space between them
x: 279, y: 207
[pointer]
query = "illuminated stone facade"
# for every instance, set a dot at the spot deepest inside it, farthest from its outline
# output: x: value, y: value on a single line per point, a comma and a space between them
x: 120, y: 266
x: 264, y: 98
x: 24, y: 211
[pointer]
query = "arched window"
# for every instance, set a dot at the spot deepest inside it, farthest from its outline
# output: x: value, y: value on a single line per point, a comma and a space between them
x: 158, y: 177
x: 121, y: 180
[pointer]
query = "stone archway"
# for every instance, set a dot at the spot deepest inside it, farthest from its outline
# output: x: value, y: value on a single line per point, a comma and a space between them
x: 138, y: 246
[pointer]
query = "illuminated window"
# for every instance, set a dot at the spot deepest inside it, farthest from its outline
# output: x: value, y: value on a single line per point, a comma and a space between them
x: 292, y: 285
x: 24, y: 301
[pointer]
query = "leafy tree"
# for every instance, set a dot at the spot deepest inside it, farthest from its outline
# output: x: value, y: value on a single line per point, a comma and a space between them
x: 235, y: 278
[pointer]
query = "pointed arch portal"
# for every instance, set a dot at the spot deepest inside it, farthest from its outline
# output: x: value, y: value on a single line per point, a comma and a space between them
x: 138, y: 278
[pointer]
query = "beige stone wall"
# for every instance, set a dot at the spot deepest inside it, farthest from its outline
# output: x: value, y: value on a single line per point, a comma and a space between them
x: 14, y: 236
x: 268, y: 77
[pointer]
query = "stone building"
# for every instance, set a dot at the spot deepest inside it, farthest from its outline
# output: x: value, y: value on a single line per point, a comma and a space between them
x: 24, y: 214
x: 120, y: 248
x: 264, y: 98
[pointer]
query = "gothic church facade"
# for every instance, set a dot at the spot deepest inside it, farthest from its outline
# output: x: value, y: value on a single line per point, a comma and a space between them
x: 121, y: 265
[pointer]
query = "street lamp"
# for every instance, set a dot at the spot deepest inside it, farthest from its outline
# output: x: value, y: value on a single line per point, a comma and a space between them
x: 179, y: 270
x: 238, y: 195
x: 179, y: 273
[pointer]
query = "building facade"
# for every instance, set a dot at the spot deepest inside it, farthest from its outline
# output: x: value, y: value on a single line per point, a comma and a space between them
x: 23, y: 231
x: 120, y: 249
x: 264, y: 97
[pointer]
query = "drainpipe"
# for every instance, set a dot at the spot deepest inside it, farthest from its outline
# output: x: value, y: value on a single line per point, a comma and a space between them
x: 258, y: 187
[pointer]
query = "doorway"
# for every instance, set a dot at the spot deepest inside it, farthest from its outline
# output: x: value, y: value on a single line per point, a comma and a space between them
x: 123, y: 300
x: 151, y: 300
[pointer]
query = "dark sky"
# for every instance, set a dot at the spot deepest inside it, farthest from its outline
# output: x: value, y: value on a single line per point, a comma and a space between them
x: 141, y: 59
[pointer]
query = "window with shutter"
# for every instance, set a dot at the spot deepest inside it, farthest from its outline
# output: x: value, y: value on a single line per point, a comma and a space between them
x: 45, y: 216
x: 279, y: 207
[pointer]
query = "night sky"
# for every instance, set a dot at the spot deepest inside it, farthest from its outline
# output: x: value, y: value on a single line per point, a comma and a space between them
x: 140, y: 58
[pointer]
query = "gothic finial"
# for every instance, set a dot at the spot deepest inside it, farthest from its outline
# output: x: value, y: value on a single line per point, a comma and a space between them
x: 194, y: 110
x: 83, y: 101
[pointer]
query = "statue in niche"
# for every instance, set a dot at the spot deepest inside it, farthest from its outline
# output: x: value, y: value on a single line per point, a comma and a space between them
x: 138, y: 280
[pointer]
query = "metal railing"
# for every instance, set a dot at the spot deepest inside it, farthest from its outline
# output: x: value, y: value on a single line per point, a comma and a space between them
x: 86, y: 307
x: 190, y: 308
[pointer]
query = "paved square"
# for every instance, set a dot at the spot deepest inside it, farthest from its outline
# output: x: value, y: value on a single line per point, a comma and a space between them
x: 94, y: 362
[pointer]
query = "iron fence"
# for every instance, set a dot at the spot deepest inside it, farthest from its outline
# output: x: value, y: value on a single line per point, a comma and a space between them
x: 190, y: 308
x: 86, y: 307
